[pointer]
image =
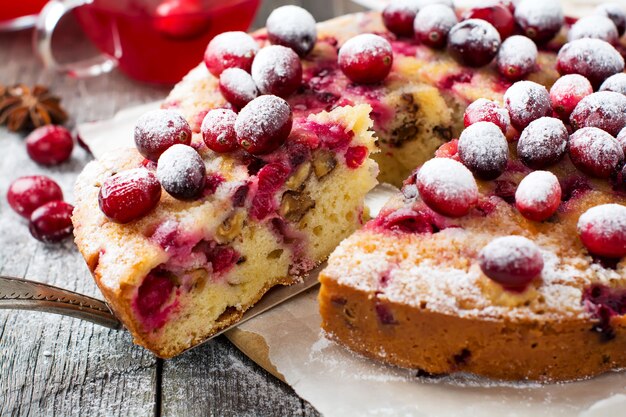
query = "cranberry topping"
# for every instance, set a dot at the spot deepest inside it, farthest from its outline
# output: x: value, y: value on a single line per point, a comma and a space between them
x: 594, y: 59
x: 49, y: 145
x: 129, y: 195
x: 498, y: 14
x: 449, y: 150
x: 263, y: 124
x: 595, y: 152
x: 331, y: 135
x: 271, y: 178
x: 410, y: 220
x: 230, y: 50
x: 505, y: 190
x: 398, y: 16
x: 621, y: 138
x: 602, y: 229
x: 484, y: 150
x: 447, y: 187
x: 605, y: 110
x: 157, y: 130
x: 473, y: 42
x: 616, y: 13
x: 574, y: 186
x: 604, y: 302
x: 152, y: 295
x: 52, y: 222
x: 542, y: 143
x: 517, y: 57
x: 594, y: 26
x: 28, y: 193
x: 277, y: 70
x: 511, y: 261
x: 540, y: 21
x: 366, y: 58
x: 355, y: 155
x: 293, y: 27
x: 567, y: 92
x: 181, y: 172
x: 218, y: 130
x: 616, y: 83
x: 538, y: 195
x: 433, y: 23
x: 237, y: 87
x: 527, y: 101
x: 483, y: 110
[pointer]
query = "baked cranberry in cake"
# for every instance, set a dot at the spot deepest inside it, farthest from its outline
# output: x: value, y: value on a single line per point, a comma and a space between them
x: 517, y: 57
x: 238, y: 87
x: 484, y: 150
x: 605, y: 110
x: 49, y: 145
x: 616, y: 13
x: 433, y: 23
x: 277, y: 70
x: 366, y: 58
x: 538, y: 195
x: 602, y: 230
x: 399, y: 15
x: 566, y: 93
x: 594, y: 26
x: 181, y: 172
x: 30, y: 192
x: 263, y: 124
x: 542, y: 143
x: 483, y: 110
x: 616, y: 83
x: 540, y: 21
x: 473, y: 42
x: 230, y: 50
x: 527, y: 101
x: 218, y: 130
x: 157, y: 130
x: 129, y: 195
x: 293, y: 27
x: 51, y: 222
x: 595, y: 152
x: 594, y: 59
x: 498, y: 14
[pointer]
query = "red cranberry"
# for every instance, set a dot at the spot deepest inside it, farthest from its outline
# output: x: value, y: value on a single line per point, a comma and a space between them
x: 538, y: 195
x: 366, y: 58
x: 271, y: 177
x: 447, y: 187
x: 621, y: 138
x: 594, y: 26
x: 540, y: 21
x: 605, y: 110
x: 473, y: 42
x: 484, y: 150
x: 433, y: 23
x: 616, y: 83
x: 49, y: 145
x: 277, y: 70
x: 355, y: 155
x: 616, y: 13
x: 181, y: 19
x: 293, y: 27
x: 527, y: 101
x: 511, y: 261
x: 218, y: 130
x: 398, y: 16
x: 52, y: 222
x: 567, y: 92
x: 129, y: 195
x: 595, y: 152
x: 157, y: 130
x: 499, y: 15
x: 264, y: 124
x: 153, y: 293
x: 448, y: 150
x: 542, y: 143
x: 237, y: 87
x: 602, y: 230
x: 230, y: 50
x: 222, y: 258
x: 31, y: 192
x: 517, y: 57
x: 594, y: 59
x: 483, y: 110
x: 181, y: 172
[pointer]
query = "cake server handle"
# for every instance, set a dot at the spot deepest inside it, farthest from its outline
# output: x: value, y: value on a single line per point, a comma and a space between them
x: 22, y: 294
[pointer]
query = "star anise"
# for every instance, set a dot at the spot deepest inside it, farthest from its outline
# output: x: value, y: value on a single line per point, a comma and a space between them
x: 23, y: 108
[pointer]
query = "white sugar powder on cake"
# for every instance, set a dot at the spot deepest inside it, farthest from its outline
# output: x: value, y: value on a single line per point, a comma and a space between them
x: 448, y: 178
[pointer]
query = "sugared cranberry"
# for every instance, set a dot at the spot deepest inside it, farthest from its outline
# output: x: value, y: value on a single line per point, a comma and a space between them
x: 595, y: 152
x: 230, y: 50
x: 567, y: 92
x: 398, y: 16
x: 447, y: 187
x: 293, y: 27
x: 366, y: 58
x: 484, y: 150
x: 517, y: 57
x: 218, y: 130
x: 498, y: 14
x: 621, y: 138
x: 129, y: 195
x: 483, y: 110
x: 277, y: 70
x: 511, y: 261
x: 527, y: 101
x: 181, y: 172
x: 616, y: 13
x: 263, y: 124
x: 181, y: 19
x: 154, y: 292
x: 616, y: 83
x: 542, y: 143
x: 602, y: 230
x: 594, y: 59
x: 594, y: 26
x: 539, y: 20
x: 238, y: 87
x: 157, y: 130
x: 51, y: 222
x: 538, y: 195
x: 605, y: 110
x: 49, y: 145
x: 473, y: 42
x: 433, y: 23
x: 28, y: 193
x: 271, y: 177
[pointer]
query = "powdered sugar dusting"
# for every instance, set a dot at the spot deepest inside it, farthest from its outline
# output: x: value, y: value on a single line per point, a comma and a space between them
x: 274, y: 62
x: 448, y: 178
x: 517, y: 50
x: 239, y: 82
x: 262, y: 115
x: 621, y: 138
x: 605, y: 219
x: 594, y: 26
x: 540, y: 13
x: 482, y: 34
x: 616, y: 83
x: 483, y: 145
x: 512, y: 252
x: 605, y: 110
x: 538, y: 187
x: 238, y: 44
x: 526, y: 101
x: 543, y: 141
x: 596, y: 147
x: 294, y: 25
x: 593, y: 58
x: 436, y: 16
x: 366, y: 43
x: 152, y: 126
x: 178, y: 166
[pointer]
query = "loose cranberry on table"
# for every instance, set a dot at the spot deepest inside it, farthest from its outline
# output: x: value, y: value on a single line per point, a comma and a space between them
x: 293, y: 27
x: 433, y: 23
x: 483, y: 110
x: 447, y: 187
x: 264, y: 124
x: 129, y: 195
x: 181, y: 172
x: 605, y: 110
x: 483, y: 148
x: 616, y: 83
x: 399, y: 15
x: 538, y: 195
x: 594, y: 59
x: 157, y: 130
x: 218, y: 130
x: 511, y: 261
x: 616, y: 13
x: 49, y: 145
x: 230, y: 50
x: 498, y: 14
x: 366, y: 58
x: 527, y: 101
x: 539, y: 20
x: 277, y: 70
x: 594, y: 26
x: 52, y: 222
x: 595, y: 152
x: 567, y: 92
x: 28, y: 193
x: 542, y: 143
x: 517, y: 57
x: 473, y: 42
x: 602, y: 229
x: 237, y: 87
